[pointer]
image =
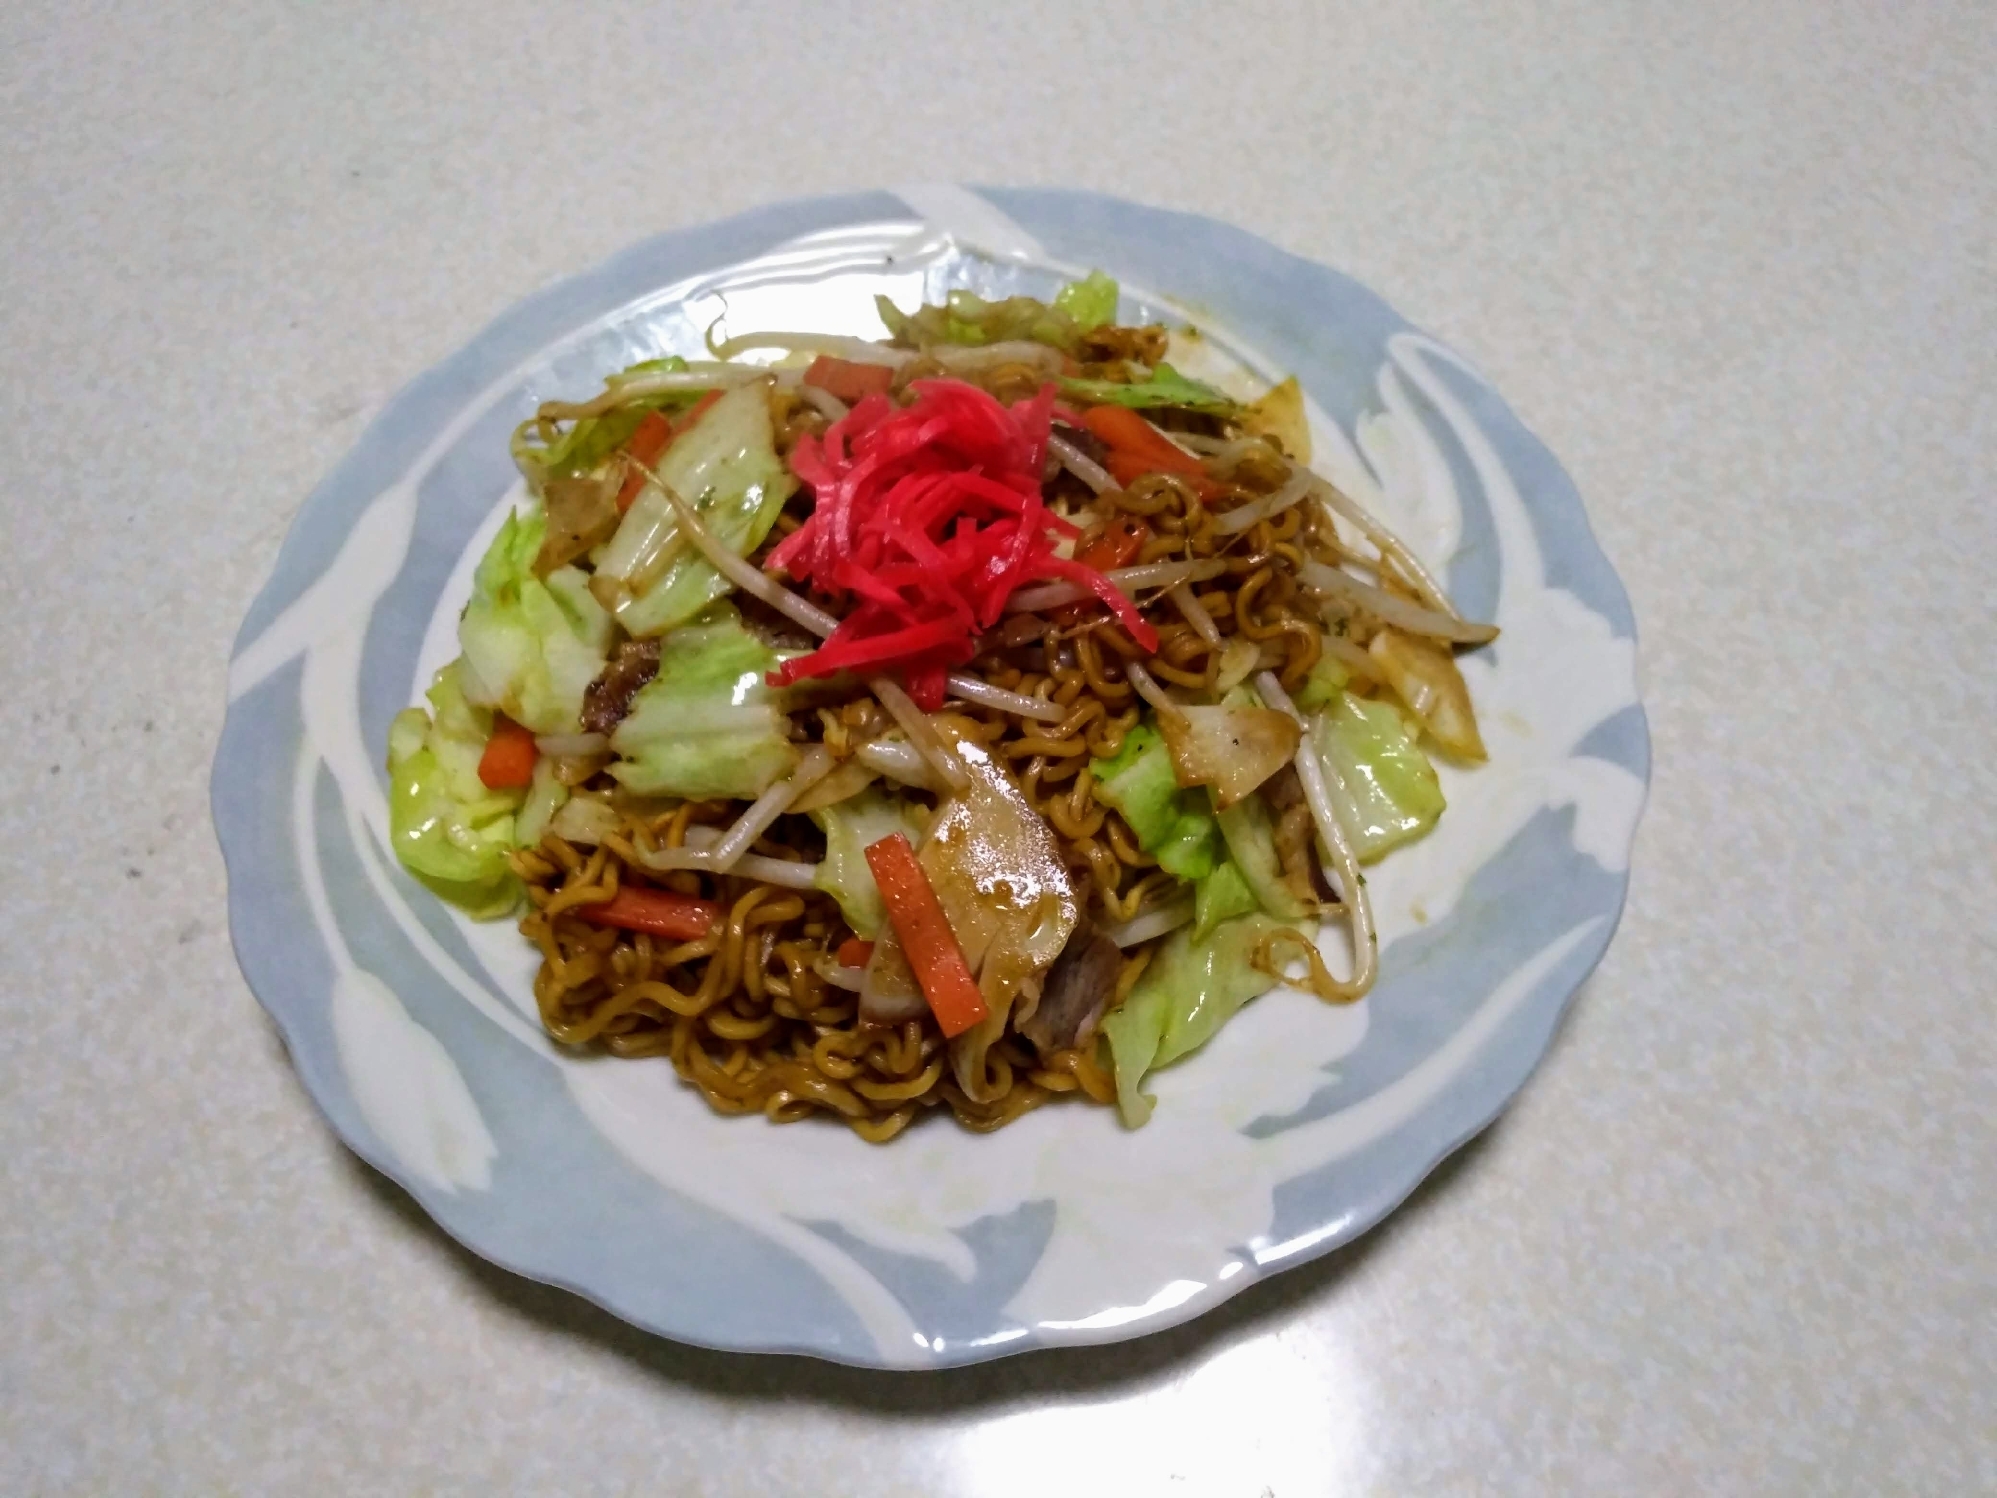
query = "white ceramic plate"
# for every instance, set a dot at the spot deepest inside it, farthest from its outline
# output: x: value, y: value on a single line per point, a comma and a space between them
x: 1295, y: 1130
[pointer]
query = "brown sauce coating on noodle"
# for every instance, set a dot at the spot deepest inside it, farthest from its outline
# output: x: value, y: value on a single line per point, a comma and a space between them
x: 746, y: 1014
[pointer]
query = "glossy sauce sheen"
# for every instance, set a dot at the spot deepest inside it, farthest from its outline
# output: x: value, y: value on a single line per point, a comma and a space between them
x: 997, y: 872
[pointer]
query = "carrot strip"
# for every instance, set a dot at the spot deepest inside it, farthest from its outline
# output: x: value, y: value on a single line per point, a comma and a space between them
x: 660, y: 912
x: 508, y: 761
x: 926, y: 937
x: 647, y: 444
x: 849, y: 380
x: 694, y: 412
x: 1136, y: 448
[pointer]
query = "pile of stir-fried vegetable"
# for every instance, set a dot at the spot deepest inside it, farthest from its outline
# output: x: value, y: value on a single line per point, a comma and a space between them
x: 968, y: 718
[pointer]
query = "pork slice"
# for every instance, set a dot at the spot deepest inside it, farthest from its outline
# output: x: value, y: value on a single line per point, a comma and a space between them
x: 1078, y: 988
x: 606, y: 700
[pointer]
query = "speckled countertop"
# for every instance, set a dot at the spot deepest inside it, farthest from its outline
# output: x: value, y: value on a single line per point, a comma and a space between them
x: 1734, y: 262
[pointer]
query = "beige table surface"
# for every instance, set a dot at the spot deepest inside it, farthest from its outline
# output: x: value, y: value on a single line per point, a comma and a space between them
x: 1733, y: 261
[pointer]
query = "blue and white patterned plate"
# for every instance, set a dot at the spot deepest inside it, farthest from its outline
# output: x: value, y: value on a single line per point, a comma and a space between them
x: 1296, y: 1130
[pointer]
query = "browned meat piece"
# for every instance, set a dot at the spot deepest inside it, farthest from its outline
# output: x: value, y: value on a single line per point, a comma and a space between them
x: 1083, y: 441
x: 607, y: 699
x: 581, y: 513
x: 774, y: 629
x: 1020, y: 629
x: 1077, y: 990
x: 1294, y: 831
x: 1145, y: 345
x: 1283, y: 790
x: 1088, y: 444
x: 889, y: 994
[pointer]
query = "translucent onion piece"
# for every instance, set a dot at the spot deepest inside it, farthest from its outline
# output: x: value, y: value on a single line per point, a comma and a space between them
x: 1424, y: 676
x: 842, y: 784
x: 1141, y: 928
x: 898, y: 760
x: 971, y: 689
x: 1390, y: 609
x: 584, y: 819
x: 1352, y: 657
x: 889, y: 994
x: 1239, y: 661
x: 1177, y: 439
x: 1280, y: 414
x: 688, y: 856
x: 1230, y: 749
x: 849, y: 978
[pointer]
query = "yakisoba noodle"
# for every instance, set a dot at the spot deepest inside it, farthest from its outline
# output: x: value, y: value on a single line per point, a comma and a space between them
x: 744, y: 1014
x: 758, y: 1007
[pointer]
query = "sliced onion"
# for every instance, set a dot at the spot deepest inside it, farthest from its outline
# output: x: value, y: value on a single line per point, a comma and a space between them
x: 858, y: 350
x: 986, y: 695
x: 1390, y: 609
x: 1195, y: 612
x: 1142, y: 928
x: 1081, y: 465
x: 898, y: 760
x: 1335, y: 847
x: 1351, y: 657
x: 1424, y: 676
x: 1128, y: 579
x: 941, y: 759
x: 740, y: 572
x: 1239, y: 661
x: 571, y: 745
x: 584, y: 819
x: 1232, y: 522
x: 812, y: 767
x: 847, y: 781
x: 850, y: 978
x: 889, y: 993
